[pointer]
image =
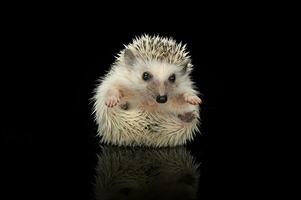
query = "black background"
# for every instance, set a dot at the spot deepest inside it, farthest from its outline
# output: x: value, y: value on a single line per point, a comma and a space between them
x: 52, y: 62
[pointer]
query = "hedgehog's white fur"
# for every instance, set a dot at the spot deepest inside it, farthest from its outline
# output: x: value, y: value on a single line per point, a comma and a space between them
x: 147, y: 122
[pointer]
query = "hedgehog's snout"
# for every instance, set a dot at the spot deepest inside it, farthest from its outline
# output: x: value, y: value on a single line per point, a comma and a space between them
x: 161, y: 99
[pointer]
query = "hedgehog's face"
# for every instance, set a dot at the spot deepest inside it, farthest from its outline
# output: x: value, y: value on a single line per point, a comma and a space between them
x: 156, y: 80
x: 160, y: 80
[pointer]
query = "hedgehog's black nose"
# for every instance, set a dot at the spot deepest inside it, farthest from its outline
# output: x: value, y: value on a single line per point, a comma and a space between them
x: 161, y: 99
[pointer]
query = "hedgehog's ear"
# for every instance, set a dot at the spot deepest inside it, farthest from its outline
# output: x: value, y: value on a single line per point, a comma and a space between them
x: 129, y: 57
x: 186, y: 66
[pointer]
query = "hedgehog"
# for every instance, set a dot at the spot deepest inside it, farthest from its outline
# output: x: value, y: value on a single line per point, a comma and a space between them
x: 148, y: 98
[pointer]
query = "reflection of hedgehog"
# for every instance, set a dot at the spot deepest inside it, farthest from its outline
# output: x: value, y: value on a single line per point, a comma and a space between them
x: 145, y: 173
x: 148, y: 98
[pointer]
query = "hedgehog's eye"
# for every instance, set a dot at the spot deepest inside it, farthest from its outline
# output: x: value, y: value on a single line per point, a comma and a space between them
x: 172, y: 78
x: 146, y: 76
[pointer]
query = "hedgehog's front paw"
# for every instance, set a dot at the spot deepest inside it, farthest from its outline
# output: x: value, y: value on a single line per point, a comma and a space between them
x: 112, y: 101
x: 187, y: 117
x: 192, y: 99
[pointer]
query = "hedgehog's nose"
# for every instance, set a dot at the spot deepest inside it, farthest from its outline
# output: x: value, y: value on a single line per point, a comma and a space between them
x: 161, y: 99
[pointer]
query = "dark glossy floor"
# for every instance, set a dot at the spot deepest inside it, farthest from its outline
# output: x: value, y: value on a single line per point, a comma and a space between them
x: 138, y: 173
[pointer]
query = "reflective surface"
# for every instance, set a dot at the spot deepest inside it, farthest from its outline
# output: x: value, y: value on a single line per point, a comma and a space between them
x: 146, y: 173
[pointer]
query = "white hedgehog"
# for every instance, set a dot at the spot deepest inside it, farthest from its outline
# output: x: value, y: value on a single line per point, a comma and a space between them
x: 148, y: 98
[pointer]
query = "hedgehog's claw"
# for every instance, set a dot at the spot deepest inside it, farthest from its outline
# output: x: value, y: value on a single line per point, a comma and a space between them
x: 192, y: 99
x: 112, y: 101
